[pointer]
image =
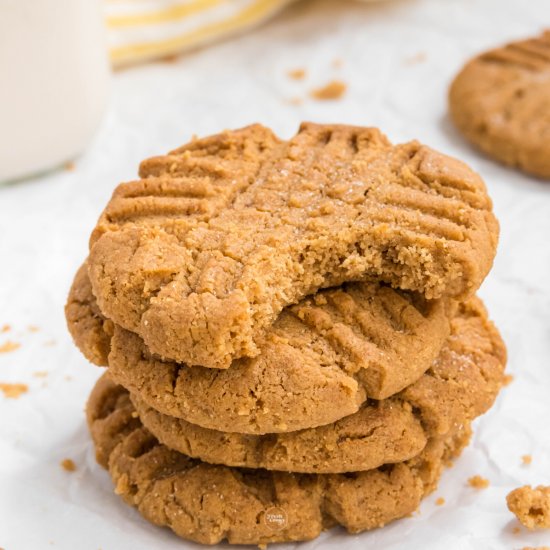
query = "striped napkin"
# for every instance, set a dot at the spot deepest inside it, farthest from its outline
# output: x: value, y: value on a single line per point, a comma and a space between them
x: 142, y: 30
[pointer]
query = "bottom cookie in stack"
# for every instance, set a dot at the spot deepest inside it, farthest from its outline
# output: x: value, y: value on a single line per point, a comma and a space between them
x: 361, y: 472
x: 208, y: 503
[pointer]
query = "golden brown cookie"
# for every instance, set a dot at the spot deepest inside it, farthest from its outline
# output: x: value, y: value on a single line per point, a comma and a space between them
x: 201, y: 255
x: 209, y: 503
x: 462, y: 384
x: 377, y: 434
x: 283, y: 399
x: 321, y: 359
x: 500, y: 101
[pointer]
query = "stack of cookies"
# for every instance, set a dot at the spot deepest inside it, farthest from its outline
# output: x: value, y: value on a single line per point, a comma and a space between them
x: 291, y: 331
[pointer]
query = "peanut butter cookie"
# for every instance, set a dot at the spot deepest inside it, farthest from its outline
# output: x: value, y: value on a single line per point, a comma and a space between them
x: 500, y: 101
x: 257, y: 399
x: 531, y: 505
x: 209, y: 503
x: 460, y: 385
x: 91, y: 331
x: 201, y: 255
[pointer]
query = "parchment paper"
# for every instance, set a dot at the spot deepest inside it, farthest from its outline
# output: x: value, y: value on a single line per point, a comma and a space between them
x: 397, y: 59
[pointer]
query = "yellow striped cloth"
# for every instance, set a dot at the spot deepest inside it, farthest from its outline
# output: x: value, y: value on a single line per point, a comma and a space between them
x: 142, y: 30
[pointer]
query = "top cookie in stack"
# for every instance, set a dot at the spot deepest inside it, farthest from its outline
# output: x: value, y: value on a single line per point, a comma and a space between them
x: 201, y: 255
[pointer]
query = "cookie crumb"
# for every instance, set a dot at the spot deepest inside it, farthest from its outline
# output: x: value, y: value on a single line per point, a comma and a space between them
x: 49, y: 343
x: 170, y: 58
x: 531, y: 506
x: 9, y: 346
x: 526, y: 459
x: 33, y: 328
x: 420, y: 57
x: 297, y: 74
x: 68, y: 465
x: 516, y: 530
x: 335, y: 89
x: 478, y: 482
x: 40, y: 373
x: 13, y: 391
x: 295, y: 101
x: 508, y: 379
x: 5, y: 328
x: 69, y: 166
x: 440, y: 501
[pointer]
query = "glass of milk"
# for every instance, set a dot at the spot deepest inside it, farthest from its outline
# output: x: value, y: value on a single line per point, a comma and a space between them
x: 54, y: 76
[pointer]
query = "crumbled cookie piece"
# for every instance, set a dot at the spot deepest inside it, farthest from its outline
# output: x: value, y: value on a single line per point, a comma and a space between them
x: 531, y: 506
x: 440, y: 501
x: 13, y: 391
x: 526, y: 459
x: 335, y: 89
x: 5, y: 328
x: 508, y: 379
x: 33, y: 328
x: 295, y: 101
x: 9, y: 346
x: 420, y: 57
x: 68, y: 465
x: 297, y: 74
x: 478, y: 482
x: 40, y: 373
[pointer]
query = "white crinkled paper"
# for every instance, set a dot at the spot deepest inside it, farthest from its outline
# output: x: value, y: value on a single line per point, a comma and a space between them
x: 397, y: 59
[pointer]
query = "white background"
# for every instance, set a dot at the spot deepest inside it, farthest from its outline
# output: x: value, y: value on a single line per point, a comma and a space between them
x: 398, y: 59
